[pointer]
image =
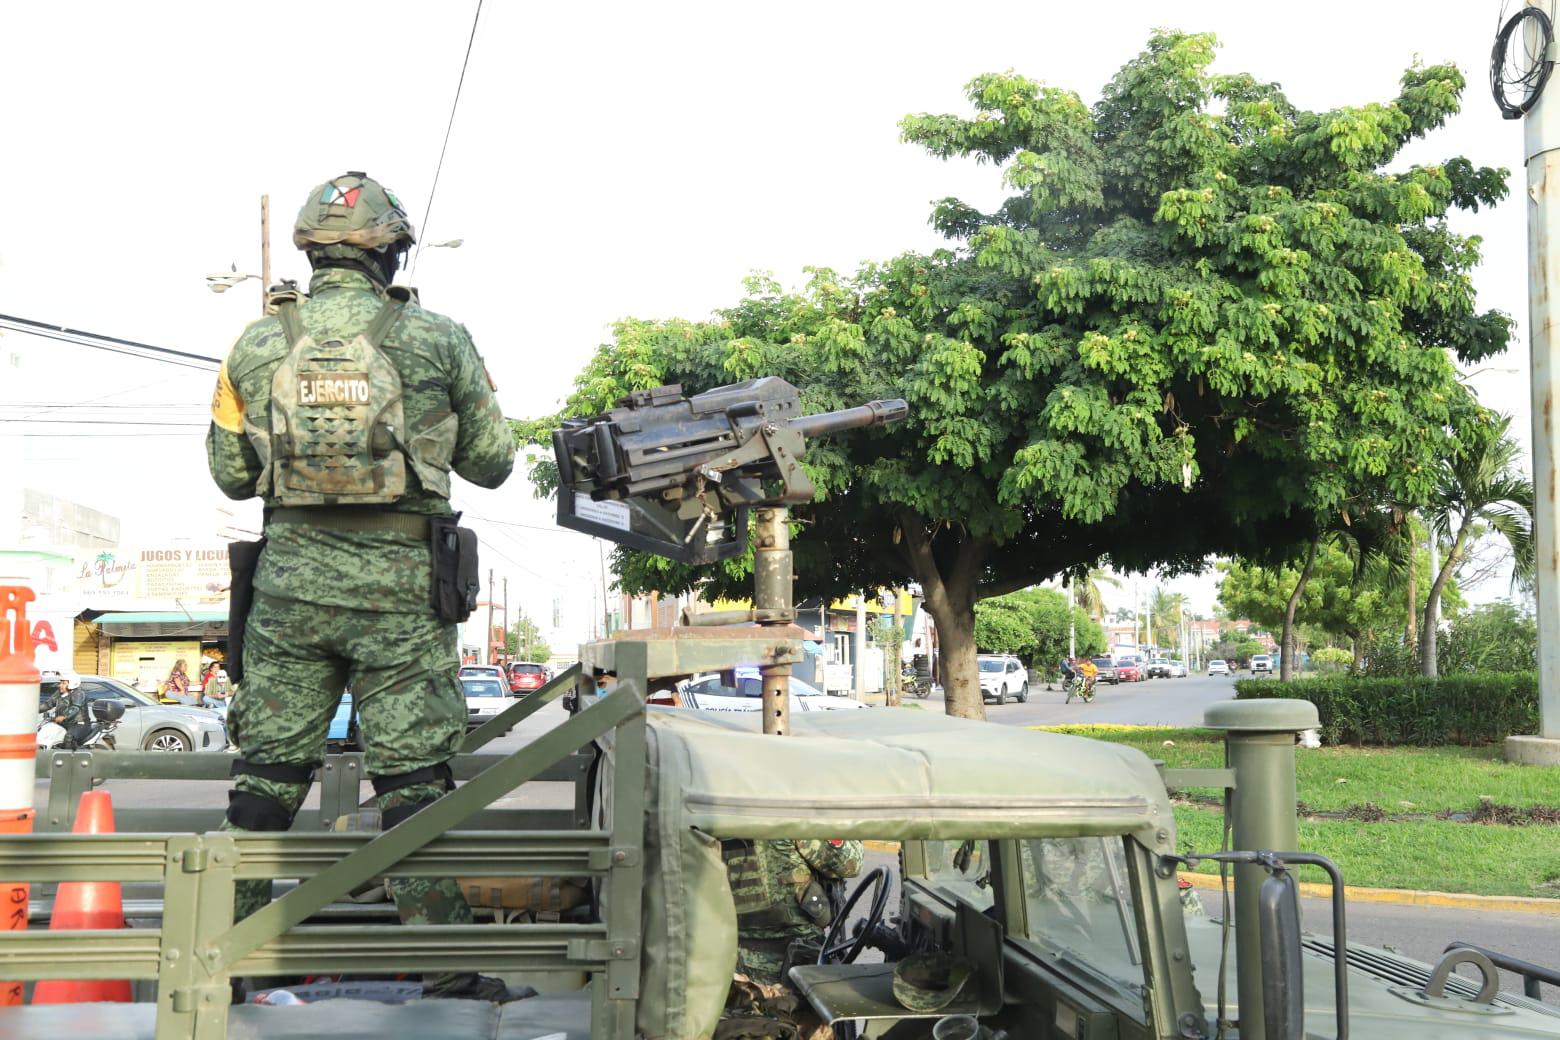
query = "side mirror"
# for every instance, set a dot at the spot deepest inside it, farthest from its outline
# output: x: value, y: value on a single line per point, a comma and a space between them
x: 1283, y: 986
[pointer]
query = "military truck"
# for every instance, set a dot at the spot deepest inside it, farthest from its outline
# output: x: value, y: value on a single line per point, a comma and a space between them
x: 1045, y: 866
x: 1058, y: 881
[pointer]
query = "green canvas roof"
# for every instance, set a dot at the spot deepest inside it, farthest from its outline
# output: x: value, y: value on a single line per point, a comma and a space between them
x: 900, y: 773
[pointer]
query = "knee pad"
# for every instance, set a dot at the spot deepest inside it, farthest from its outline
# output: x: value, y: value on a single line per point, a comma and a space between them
x: 439, y: 774
x: 256, y: 812
x: 398, y: 814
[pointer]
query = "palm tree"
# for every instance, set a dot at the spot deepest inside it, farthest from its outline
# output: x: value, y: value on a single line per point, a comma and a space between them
x: 1481, y: 486
x: 1165, y: 608
x: 1090, y: 596
x: 1371, y: 533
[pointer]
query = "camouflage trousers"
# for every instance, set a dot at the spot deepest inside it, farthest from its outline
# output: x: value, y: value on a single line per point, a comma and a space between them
x: 764, y: 955
x: 401, y: 669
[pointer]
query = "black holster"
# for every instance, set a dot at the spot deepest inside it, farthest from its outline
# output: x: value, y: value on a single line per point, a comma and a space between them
x: 243, y: 558
x: 455, y: 582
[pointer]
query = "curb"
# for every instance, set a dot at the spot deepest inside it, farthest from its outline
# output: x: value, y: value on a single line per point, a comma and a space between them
x: 1407, y: 896
x: 893, y: 846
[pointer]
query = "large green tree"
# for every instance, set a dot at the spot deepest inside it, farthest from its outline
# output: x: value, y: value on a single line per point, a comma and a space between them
x: 1340, y: 599
x: 1204, y: 321
x: 524, y: 642
x: 1033, y: 624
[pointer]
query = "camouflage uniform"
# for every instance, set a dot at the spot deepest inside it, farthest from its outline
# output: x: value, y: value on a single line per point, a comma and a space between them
x: 336, y: 606
x: 779, y: 891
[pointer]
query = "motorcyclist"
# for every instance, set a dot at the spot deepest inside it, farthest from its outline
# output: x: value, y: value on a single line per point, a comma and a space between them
x: 69, y: 710
x: 1089, y: 672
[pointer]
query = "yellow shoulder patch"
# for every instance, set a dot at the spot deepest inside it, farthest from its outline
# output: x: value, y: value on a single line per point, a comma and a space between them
x: 227, y: 408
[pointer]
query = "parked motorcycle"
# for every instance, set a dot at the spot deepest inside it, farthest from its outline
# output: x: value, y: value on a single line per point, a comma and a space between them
x: 103, y: 719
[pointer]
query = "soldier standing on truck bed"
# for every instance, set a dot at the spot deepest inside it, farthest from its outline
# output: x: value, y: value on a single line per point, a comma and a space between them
x: 345, y: 413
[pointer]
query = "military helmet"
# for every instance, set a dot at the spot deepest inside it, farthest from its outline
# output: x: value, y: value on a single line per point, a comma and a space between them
x: 931, y: 981
x: 352, y: 210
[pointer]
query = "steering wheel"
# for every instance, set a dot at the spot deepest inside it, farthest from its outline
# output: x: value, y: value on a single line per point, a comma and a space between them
x: 839, y: 950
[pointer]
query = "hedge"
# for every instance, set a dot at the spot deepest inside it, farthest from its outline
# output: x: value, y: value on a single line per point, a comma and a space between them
x: 1456, y: 709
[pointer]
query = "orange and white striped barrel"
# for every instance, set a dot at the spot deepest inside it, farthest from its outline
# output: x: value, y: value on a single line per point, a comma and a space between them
x: 18, y: 748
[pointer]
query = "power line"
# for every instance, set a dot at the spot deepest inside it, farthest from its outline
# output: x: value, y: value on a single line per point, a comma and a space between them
x: 97, y: 435
x: 528, y: 527
x: 57, y: 405
x: 447, y: 128
x: 110, y: 422
x: 112, y: 344
x: 91, y: 401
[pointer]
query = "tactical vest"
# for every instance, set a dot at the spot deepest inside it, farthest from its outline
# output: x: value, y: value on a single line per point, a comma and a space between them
x: 337, y: 431
x: 765, y: 894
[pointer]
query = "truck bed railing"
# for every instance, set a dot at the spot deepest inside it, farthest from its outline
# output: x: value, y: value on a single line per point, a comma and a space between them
x: 198, y: 948
x: 1533, y: 975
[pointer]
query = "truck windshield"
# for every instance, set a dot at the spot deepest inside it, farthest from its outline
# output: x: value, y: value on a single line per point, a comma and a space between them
x: 1079, y: 901
x: 962, y: 868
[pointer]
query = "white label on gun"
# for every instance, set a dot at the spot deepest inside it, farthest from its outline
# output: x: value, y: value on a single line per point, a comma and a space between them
x: 613, y: 514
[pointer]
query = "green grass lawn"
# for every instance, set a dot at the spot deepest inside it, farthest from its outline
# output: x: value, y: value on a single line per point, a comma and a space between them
x: 1330, y: 779
x: 1435, y: 855
x: 1424, y: 854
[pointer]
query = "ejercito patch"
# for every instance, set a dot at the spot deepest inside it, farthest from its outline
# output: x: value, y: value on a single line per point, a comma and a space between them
x: 333, y: 388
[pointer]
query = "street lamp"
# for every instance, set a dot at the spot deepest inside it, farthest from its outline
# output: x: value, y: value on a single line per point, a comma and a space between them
x: 454, y: 243
x: 222, y: 281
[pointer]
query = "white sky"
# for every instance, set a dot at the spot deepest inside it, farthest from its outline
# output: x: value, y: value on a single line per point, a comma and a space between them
x: 607, y: 160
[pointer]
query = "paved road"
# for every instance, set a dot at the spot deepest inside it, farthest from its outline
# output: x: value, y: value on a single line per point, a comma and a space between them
x: 1153, y: 702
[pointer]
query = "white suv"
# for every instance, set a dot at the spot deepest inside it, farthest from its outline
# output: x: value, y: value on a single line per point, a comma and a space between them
x: 1261, y: 663
x: 1002, y: 676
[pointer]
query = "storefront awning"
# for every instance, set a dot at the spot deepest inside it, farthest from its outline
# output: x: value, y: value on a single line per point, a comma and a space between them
x: 161, y: 624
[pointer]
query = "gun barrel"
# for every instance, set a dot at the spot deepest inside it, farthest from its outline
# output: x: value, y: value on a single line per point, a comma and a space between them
x: 873, y: 413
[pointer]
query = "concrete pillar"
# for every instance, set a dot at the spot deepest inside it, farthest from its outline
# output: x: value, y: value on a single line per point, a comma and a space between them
x: 1260, y: 747
x: 1541, y: 139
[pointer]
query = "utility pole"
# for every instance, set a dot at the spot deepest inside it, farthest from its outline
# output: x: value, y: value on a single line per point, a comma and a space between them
x: 893, y: 694
x: 1541, y: 141
x: 490, y: 618
x: 1148, y: 615
x: 860, y: 653
x: 606, y: 604
x: 1072, y: 626
x: 265, y: 253
x: 1430, y: 608
x: 504, y: 652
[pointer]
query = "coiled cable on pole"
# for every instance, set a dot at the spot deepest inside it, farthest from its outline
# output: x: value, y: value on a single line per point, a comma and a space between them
x: 1517, y: 80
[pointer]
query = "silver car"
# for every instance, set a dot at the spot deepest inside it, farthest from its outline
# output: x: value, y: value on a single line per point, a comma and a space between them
x: 152, y: 726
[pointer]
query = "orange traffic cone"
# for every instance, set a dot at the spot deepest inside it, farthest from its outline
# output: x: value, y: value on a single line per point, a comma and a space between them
x: 87, y: 904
